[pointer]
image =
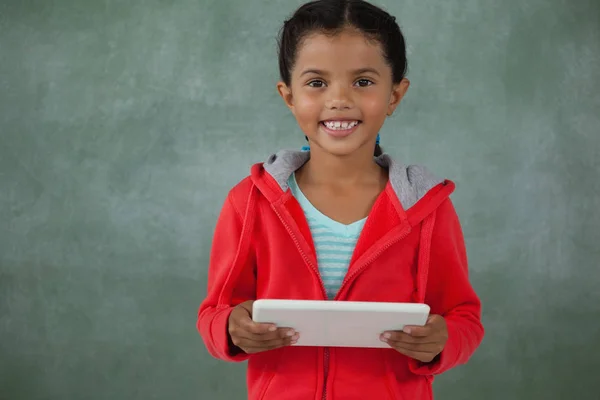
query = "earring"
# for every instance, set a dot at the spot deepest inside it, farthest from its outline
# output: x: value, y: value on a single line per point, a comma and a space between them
x: 305, y: 148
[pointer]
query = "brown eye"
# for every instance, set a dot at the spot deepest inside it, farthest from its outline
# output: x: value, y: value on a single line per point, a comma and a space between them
x: 316, y: 84
x: 364, y: 82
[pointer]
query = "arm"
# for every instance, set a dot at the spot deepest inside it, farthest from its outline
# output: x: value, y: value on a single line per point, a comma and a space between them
x: 450, y: 294
x: 231, y: 281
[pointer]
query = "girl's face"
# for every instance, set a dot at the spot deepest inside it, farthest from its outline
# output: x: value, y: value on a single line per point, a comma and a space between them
x: 341, y: 92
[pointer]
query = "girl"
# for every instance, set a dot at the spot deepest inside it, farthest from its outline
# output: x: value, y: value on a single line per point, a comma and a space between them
x: 343, y: 222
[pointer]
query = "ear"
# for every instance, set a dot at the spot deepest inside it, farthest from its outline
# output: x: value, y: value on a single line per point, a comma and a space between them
x: 286, y: 94
x: 398, y: 92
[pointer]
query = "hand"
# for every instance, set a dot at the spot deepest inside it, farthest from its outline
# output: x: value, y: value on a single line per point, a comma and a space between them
x: 251, y: 337
x: 423, y: 343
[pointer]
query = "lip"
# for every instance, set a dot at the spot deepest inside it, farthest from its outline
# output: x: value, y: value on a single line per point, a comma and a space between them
x: 339, y: 133
x: 341, y: 119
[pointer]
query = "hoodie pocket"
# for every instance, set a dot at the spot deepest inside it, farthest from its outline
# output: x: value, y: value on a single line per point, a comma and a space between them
x: 263, y: 392
x: 361, y: 373
x: 403, y: 384
x: 391, y: 382
x: 292, y: 377
x: 262, y: 367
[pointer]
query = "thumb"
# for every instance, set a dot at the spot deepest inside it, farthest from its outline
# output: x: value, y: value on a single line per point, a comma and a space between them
x: 242, y: 314
x: 435, y: 320
x: 247, y: 322
x: 247, y: 305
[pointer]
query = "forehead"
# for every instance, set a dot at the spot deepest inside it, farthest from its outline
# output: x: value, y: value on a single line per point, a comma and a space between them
x: 348, y: 50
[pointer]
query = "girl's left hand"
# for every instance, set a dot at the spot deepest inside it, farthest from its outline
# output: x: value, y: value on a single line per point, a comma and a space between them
x: 423, y: 343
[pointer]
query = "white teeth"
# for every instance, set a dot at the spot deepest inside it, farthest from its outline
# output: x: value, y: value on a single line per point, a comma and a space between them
x: 341, y: 125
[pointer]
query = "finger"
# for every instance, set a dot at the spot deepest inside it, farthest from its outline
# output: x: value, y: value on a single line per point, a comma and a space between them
x: 251, y: 346
x: 418, y: 331
x: 242, y: 329
x: 432, y: 324
x: 417, y: 355
x: 406, y: 338
x: 248, y: 325
x: 242, y: 317
x: 281, y: 333
x: 434, y: 348
x: 272, y: 346
x: 261, y: 346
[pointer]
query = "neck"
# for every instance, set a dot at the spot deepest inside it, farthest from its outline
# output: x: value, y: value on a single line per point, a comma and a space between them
x: 327, y: 169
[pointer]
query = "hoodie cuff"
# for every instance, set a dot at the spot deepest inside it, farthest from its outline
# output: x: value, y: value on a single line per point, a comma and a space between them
x: 221, y: 338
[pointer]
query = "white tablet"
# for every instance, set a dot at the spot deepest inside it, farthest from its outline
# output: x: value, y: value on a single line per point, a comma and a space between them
x: 340, y: 323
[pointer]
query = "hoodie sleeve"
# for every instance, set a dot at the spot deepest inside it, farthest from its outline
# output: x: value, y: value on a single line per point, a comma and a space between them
x: 450, y: 294
x: 231, y: 281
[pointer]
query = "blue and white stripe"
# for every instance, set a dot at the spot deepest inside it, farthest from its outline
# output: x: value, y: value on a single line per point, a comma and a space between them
x: 334, y: 241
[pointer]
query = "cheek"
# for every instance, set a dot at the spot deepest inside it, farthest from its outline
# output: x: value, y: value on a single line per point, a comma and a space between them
x: 374, y: 106
x: 308, y: 109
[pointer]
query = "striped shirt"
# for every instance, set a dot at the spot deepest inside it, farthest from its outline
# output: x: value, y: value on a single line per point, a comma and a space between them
x: 334, y: 241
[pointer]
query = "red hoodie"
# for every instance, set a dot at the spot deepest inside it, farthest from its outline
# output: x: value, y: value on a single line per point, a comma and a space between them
x: 411, y: 249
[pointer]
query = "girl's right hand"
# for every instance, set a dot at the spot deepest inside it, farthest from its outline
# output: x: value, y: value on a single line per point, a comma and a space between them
x: 252, y: 337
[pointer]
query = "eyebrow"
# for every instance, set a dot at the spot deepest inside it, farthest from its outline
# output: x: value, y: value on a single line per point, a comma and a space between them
x: 365, y: 71
x: 355, y: 72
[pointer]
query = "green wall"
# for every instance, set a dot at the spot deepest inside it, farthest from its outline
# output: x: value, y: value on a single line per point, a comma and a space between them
x: 124, y: 123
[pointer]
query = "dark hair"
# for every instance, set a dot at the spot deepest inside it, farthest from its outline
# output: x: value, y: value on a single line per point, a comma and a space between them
x: 331, y: 17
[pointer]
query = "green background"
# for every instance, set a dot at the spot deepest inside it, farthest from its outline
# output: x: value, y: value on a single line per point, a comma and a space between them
x: 124, y: 123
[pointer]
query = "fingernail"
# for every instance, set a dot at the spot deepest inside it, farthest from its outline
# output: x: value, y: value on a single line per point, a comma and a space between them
x: 272, y: 329
x: 386, y: 336
x: 290, y: 333
x: 406, y: 330
x: 295, y: 338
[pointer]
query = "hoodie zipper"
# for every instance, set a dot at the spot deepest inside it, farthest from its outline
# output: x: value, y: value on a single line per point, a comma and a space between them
x: 306, y: 259
x: 350, y: 278
x: 325, y: 372
x: 372, y: 258
x: 323, y: 292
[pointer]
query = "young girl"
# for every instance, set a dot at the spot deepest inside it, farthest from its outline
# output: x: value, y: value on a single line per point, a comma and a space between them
x: 342, y: 221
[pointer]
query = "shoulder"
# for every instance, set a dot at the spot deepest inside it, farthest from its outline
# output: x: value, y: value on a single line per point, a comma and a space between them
x: 238, y: 195
x: 410, y: 182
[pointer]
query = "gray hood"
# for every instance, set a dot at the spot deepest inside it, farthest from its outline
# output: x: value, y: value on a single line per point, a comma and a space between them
x: 410, y: 183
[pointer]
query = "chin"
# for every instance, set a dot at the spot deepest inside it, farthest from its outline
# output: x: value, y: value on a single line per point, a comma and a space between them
x: 341, y: 149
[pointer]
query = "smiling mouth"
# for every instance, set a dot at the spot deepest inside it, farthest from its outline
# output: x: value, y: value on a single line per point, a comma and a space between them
x: 340, y: 125
x: 340, y: 129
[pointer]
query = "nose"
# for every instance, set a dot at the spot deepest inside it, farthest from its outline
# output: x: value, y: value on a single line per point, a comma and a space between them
x: 339, y: 98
